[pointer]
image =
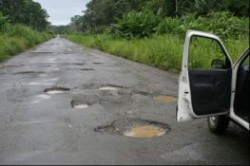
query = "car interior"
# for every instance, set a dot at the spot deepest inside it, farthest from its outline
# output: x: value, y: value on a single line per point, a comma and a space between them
x: 242, y: 94
x: 210, y: 86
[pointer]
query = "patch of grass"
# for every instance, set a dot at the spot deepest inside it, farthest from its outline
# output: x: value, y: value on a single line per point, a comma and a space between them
x: 164, y: 52
x: 16, y: 38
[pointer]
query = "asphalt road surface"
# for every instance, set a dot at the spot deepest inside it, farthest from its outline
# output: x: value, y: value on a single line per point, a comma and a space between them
x: 104, y: 102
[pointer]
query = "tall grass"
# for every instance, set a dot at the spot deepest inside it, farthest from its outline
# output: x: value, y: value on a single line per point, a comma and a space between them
x: 164, y: 52
x: 16, y: 38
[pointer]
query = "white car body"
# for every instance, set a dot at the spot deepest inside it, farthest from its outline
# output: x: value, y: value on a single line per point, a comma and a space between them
x: 185, y: 109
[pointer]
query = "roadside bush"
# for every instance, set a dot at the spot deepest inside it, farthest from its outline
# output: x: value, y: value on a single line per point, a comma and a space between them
x: 223, y: 24
x: 16, y: 38
x: 3, y: 21
x: 137, y: 24
x: 163, y: 51
x: 146, y: 24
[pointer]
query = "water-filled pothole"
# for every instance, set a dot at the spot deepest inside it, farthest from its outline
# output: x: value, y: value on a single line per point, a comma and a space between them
x: 165, y: 99
x: 108, y: 88
x: 111, y: 90
x: 135, y: 128
x: 145, y: 131
x: 56, y: 90
x: 80, y: 105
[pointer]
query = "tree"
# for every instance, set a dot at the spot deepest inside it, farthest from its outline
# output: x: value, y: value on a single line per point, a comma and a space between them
x: 76, y: 22
x: 25, y: 12
x: 103, y: 13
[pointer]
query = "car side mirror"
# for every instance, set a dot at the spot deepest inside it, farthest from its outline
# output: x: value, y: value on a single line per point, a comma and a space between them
x: 217, y: 64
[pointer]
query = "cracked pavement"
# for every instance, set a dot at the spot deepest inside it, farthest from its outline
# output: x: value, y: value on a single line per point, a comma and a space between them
x: 41, y: 128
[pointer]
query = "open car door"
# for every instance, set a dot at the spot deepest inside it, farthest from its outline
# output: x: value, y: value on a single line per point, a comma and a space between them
x: 205, y: 82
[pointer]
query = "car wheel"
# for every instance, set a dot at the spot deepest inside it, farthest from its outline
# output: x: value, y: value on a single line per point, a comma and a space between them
x: 218, y: 124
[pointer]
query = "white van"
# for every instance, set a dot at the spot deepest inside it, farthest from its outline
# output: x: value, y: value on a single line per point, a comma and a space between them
x: 220, y: 93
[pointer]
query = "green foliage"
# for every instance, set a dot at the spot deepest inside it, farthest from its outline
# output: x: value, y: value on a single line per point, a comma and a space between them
x: 16, y: 38
x: 3, y: 21
x: 152, y: 31
x: 238, y: 8
x: 106, y: 12
x: 137, y: 24
x: 224, y: 24
x: 25, y: 12
x: 58, y: 29
x: 145, y: 23
x: 163, y: 51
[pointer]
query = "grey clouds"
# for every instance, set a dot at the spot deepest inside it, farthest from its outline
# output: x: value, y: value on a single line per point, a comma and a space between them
x: 60, y: 11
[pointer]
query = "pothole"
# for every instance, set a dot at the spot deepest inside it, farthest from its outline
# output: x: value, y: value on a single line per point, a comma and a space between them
x: 68, y: 53
x: 29, y: 72
x: 79, y: 64
x: 102, y: 87
x: 41, y: 52
x: 10, y: 66
x: 43, y: 75
x: 141, y: 93
x: 56, y: 90
x: 108, y: 88
x: 135, y: 128
x: 79, y: 105
x: 165, y: 99
x: 87, y: 69
x: 146, y: 131
x: 111, y: 87
x: 97, y: 63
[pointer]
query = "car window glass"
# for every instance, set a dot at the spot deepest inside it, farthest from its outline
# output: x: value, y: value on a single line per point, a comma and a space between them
x: 205, y: 53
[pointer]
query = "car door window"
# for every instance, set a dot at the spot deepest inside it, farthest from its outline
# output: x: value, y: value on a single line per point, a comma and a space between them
x: 210, y: 76
x: 205, y: 53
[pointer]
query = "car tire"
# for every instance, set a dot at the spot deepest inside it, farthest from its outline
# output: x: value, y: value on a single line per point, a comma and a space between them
x: 218, y: 124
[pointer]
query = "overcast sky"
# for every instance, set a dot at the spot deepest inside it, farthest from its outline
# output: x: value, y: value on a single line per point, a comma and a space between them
x: 60, y: 11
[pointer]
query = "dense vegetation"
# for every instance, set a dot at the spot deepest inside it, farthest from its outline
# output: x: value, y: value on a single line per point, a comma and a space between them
x: 163, y: 51
x: 22, y: 25
x: 153, y: 31
x: 25, y: 12
x: 102, y: 14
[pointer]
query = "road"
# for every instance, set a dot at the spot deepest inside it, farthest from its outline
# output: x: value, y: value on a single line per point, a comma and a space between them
x: 104, y: 99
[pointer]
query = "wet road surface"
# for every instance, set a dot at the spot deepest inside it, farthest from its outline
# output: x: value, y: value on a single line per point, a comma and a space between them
x: 61, y: 103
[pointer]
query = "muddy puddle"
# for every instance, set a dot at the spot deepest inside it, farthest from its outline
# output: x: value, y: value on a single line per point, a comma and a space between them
x: 135, y: 128
x: 146, y: 131
x: 165, y: 99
